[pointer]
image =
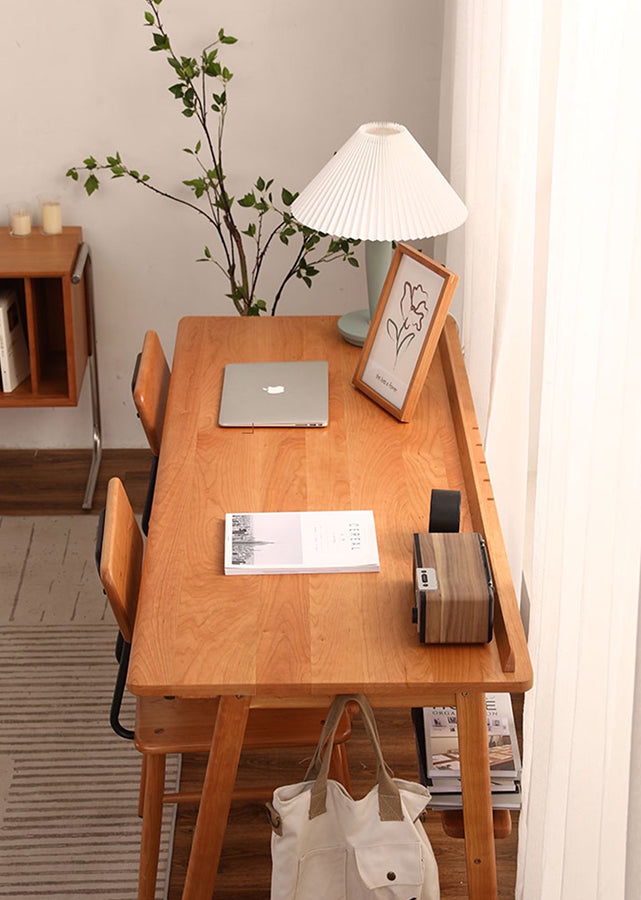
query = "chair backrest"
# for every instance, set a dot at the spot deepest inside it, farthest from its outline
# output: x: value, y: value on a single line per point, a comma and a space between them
x: 150, y: 387
x: 121, y: 557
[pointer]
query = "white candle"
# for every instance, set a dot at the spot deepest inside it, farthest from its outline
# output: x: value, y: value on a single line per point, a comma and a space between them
x: 20, y: 222
x: 51, y: 217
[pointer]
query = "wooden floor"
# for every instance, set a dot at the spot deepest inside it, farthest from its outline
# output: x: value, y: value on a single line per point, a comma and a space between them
x: 53, y: 483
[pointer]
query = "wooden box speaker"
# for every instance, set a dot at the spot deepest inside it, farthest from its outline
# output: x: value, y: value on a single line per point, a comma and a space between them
x: 453, y: 590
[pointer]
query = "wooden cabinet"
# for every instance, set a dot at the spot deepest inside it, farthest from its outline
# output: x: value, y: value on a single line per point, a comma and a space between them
x: 54, y: 308
x: 52, y: 277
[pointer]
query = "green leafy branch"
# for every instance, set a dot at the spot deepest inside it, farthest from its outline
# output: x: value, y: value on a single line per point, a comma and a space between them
x: 242, y: 251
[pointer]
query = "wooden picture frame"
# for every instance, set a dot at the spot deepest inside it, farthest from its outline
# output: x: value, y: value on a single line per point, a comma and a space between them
x: 404, y: 332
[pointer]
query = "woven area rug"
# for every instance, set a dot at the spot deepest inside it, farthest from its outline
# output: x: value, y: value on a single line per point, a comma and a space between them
x: 68, y: 785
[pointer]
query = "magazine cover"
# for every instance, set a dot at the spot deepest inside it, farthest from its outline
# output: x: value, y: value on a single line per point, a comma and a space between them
x: 283, y: 542
x: 441, y: 743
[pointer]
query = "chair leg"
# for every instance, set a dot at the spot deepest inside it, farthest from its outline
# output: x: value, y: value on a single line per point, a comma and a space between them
x: 151, y: 823
x: 338, y: 766
x: 141, y: 791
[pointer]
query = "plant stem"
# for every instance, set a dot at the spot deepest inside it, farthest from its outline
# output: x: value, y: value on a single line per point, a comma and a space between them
x: 290, y: 274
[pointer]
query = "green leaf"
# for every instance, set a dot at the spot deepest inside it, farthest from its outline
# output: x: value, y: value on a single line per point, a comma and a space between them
x: 248, y: 200
x: 260, y: 184
x: 91, y: 184
x: 197, y: 185
x: 188, y: 112
x: 149, y: 18
x: 90, y: 162
x: 287, y: 197
x: 72, y: 173
x: 161, y: 42
x: 352, y: 261
x: 226, y: 38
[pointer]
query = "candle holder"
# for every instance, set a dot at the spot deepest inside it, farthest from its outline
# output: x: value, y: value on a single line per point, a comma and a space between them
x: 19, y: 219
x: 51, y: 214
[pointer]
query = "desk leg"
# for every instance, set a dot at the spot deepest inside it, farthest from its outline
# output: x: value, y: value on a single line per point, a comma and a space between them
x: 220, y: 777
x: 477, y: 799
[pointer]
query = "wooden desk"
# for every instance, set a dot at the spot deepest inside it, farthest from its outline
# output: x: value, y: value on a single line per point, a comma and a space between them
x: 296, y: 640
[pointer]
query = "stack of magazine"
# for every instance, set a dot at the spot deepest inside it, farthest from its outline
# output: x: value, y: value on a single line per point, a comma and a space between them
x: 438, y: 753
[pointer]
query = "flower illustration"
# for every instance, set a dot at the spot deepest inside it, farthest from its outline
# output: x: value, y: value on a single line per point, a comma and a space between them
x: 414, y: 310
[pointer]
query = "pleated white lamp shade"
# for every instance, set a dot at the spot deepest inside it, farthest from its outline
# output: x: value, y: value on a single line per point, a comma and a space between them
x: 380, y: 186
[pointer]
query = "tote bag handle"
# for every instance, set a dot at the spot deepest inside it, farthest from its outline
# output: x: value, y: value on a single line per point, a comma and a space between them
x: 390, y: 808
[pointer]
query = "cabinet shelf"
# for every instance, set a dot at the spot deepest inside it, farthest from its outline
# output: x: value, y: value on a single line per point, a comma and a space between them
x: 39, y: 268
x: 52, y: 387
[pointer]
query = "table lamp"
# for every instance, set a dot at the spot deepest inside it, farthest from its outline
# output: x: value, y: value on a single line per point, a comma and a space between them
x: 379, y: 187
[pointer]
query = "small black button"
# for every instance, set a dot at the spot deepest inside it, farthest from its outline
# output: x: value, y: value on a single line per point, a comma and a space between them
x: 391, y: 876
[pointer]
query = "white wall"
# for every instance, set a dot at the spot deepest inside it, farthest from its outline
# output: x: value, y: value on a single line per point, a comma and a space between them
x: 305, y: 76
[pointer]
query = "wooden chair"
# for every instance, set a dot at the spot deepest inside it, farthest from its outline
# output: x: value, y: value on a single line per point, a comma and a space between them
x: 149, y: 387
x: 175, y: 725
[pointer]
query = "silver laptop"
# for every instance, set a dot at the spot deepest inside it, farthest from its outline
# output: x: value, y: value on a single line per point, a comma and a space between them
x: 273, y: 394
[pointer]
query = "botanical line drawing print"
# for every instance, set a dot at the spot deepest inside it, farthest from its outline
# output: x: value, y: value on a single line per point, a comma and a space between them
x: 413, y: 310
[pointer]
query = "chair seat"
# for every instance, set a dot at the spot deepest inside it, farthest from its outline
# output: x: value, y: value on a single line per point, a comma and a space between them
x: 186, y: 726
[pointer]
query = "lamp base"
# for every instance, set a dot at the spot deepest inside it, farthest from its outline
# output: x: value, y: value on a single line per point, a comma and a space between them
x: 354, y: 326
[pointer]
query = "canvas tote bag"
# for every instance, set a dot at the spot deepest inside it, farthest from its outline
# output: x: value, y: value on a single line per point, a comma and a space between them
x: 328, y: 846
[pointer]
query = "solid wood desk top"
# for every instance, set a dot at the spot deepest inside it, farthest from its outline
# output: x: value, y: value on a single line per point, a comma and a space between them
x: 201, y: 633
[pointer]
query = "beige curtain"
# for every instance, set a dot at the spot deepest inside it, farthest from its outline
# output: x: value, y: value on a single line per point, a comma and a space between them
x: 488, y: 148
x: 542, y: 108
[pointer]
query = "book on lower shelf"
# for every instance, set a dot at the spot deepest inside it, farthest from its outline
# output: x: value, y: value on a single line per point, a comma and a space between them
x: 454, y: 799
x: 14, y: 353
x: 436, y: 730
x: 275, y: 543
